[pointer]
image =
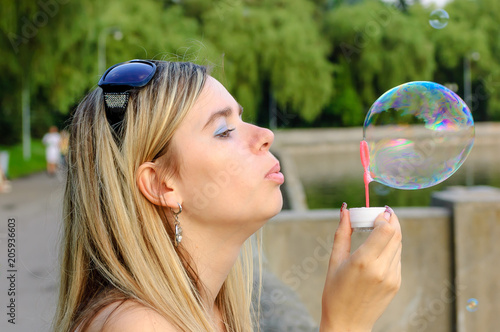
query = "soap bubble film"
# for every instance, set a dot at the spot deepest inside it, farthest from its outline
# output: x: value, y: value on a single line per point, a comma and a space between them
x: 472, y: 305
x: 418, y: 134
x: 439, y: 18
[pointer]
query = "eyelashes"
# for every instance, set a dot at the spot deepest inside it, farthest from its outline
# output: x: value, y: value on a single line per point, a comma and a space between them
x: 224, y: 133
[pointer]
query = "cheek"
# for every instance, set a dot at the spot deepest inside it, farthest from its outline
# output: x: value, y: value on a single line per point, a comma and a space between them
x: 218, y: 178
x: 203, y: 171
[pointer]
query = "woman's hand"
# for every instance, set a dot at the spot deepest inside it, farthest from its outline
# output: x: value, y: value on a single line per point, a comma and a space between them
x: 360, y: 286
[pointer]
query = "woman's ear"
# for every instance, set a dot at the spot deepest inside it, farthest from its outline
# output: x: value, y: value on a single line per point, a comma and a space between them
x: 156, y: 190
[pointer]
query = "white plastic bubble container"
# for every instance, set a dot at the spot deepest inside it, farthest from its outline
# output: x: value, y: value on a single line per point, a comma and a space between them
x: 362, y: 218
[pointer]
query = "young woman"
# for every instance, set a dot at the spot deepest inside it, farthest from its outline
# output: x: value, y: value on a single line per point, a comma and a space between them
x: 165, y: 185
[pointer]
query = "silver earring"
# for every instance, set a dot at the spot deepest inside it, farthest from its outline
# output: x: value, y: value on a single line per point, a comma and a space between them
x: 177, y: 225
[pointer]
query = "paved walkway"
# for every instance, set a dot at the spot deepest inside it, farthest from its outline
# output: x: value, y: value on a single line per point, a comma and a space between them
x: 35, y: 205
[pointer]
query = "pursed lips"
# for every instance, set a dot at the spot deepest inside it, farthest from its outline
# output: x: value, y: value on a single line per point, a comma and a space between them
x: 275, y: 174
x: 276, y: 168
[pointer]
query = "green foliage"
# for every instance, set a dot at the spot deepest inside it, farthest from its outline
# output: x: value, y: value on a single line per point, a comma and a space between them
x: 377, y: 47
x: 473, y: 33
x: 345, y: 105
x: 40, y: 48
x: 322, y: 62
x: 273, y: 45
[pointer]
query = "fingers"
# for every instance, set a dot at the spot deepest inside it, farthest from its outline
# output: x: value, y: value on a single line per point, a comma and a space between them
x: 378, y: 240
x: 392, y: 253
x: 393, y: 272
x: 385, y: 238
x: 396, y: 259
x: 398, y: 236
x: 393, y: 218
x: 342, y: 240
x: 395, y: 243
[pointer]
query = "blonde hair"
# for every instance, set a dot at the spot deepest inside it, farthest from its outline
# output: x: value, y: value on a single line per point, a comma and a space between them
x: 116, y: 244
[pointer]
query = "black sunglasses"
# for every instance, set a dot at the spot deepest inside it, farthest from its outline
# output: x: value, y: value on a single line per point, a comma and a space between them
x: 117, y: 82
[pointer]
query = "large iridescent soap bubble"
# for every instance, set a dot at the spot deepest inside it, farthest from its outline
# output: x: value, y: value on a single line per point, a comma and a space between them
x: 418, y: 135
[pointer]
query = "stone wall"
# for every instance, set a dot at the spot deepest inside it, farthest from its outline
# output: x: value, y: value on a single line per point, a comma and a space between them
x: 297, y: 247
x: 476, y: 250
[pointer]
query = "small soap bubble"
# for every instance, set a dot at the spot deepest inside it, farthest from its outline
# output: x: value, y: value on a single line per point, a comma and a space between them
x: 418, y: 135
x: 439, y: 18
x: 472, y: 305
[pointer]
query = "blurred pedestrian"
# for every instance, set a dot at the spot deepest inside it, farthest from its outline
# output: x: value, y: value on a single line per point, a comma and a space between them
x: 64, y: 146
x: 5, y: 186
x: 52, y: 141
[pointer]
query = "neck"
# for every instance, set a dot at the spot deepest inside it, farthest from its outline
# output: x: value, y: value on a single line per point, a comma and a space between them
x: 213, y: 255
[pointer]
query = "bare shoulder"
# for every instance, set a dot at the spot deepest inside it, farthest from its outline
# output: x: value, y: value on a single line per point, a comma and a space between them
x: 129, y: 316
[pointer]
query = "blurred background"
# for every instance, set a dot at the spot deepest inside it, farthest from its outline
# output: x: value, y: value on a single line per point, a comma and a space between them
x: 291, y: 64
x: 308, y: 69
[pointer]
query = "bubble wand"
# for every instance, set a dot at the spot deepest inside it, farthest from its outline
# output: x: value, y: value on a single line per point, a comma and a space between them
x: 365, y: 161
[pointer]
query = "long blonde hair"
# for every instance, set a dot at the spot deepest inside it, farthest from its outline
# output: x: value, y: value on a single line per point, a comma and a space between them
x: 116, y: 244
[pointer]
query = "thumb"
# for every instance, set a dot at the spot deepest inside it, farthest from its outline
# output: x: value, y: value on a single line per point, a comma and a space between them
x: 342, y: 240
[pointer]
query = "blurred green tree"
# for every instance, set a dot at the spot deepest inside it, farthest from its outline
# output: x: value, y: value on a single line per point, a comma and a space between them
x: 375, y: 47
x: 41, y: 42
x: 273, y: 53
x: 51, y: 51
x: 471, y: 38
x: 289, y: 63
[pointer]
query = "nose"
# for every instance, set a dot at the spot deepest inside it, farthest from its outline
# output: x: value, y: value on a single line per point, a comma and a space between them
x: 263, y: 138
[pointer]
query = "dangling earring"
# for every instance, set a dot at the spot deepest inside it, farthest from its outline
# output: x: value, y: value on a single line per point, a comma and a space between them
x: 177, y: 225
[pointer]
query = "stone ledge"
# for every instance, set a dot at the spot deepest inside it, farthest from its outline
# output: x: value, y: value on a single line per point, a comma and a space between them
x: 333, y: 214
x: 468, y: 194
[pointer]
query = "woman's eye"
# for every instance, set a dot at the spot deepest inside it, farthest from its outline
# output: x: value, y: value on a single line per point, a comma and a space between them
x: 225, y: 133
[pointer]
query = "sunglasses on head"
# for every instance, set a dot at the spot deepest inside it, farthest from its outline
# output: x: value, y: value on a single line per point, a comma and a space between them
x: 118, y: 81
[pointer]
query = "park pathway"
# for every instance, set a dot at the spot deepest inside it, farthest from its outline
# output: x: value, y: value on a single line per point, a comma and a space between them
x: 33, y: 207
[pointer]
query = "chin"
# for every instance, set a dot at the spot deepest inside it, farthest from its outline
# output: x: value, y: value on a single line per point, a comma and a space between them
x: 275, y: 205
x: 266, y: 210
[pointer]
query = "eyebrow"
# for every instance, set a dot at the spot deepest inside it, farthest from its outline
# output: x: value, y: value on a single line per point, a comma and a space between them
x: 225, y: 112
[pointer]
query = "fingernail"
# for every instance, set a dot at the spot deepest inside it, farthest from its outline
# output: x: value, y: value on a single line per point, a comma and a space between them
x: 343, y: 207
x: 388, y: 212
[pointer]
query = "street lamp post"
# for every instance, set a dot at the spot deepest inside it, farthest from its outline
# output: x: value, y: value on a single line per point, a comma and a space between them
x: 101, y: 50
x: 467, y: 76
x: 26, y: 121
x: 469, y: 174
x: 467, y: 81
